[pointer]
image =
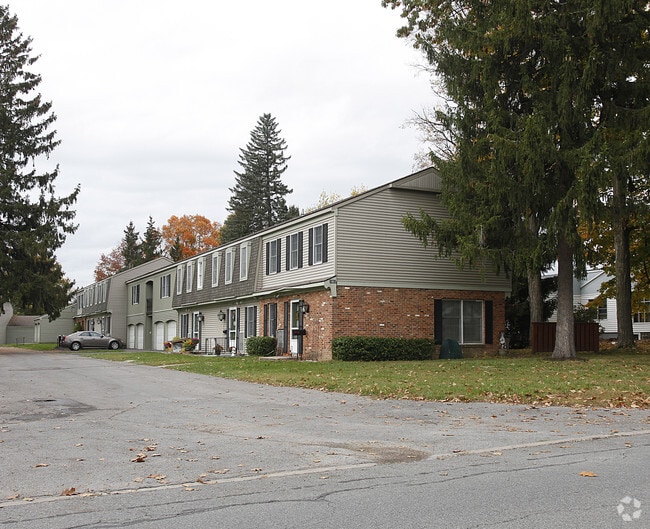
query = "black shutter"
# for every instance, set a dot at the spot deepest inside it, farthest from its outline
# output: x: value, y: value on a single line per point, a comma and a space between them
x: 300, y: 250
x: 437, y: 321
x: 489, y: 322
x: 325, y: 242
x: 287, y: 264
x: 268, y: 246
x: 265, y: 330
x: 287, y: 315
x: 279, y: 255
x: 310, y: 250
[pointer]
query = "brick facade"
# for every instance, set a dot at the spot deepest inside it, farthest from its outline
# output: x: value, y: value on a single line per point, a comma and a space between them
x: 387, y: 312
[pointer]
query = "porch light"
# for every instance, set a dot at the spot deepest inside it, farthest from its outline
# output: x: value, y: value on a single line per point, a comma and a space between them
x: 222, y: 315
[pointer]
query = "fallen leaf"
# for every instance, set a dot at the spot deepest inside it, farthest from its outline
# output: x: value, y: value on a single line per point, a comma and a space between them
x: 151, y: 448
x: 588, y: 474
x: 14, y: 497
x: 157, y: 476
x: 139, y: 459
x: 69, y: 492
x: 41, y: 465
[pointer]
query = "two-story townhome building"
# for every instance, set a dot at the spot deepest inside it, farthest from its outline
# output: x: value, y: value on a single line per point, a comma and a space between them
x: 150, y: 318
x: 103, y: 305
x: 349, y: 269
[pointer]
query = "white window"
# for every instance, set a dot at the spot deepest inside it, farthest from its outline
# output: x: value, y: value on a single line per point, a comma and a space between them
x: 135, y: 294
x: 179, y: 279
x: 244, y: 255
x: 462, y: 320
x: 318, y: 244
x: 200, y: 269
x: 230, y: 258
x: 189, y: 276
x: 294, y: 251
x: 165, y: 286
x: 273, y: 256
x: 216, y: 263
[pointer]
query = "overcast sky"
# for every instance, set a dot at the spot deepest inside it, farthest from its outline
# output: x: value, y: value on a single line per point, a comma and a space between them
x: 155, y: 98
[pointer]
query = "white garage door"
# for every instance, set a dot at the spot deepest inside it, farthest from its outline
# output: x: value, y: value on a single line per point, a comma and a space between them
x: 130, y: 341
x: 159, y: 338
x: 139, y: 336
x: 171, y: 329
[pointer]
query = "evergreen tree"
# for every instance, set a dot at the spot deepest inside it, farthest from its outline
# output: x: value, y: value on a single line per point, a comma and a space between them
x: 530, y: 85
x: 34, y: 222
x: 131, y: 249
x: 151, y: 243
x: 258, y: 198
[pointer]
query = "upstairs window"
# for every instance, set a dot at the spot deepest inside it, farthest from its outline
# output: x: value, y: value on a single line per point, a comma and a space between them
x: 294, y: 251
x: 135, y: 294
x: 229, y: 265
x: 200, y: 270
x: 216, y: 263
x: 244, y: 258
x: 189, y: 276
x: 165, y: 286
x: 318, y: 244
x: 273, y: 249
x: 179, y: 279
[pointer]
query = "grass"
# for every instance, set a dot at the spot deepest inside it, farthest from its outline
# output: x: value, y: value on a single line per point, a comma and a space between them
x: 610, y: 378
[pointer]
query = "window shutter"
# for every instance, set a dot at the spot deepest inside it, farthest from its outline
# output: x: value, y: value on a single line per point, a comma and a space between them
x: 437, y: 321
x: 300, y: 250
x: 285, y: 326
x: 325, y: 242
x: 287, y: 256
x: 265, y: 330
x: 489, y: 322
x: 279, y: 255
x: 310, y: 250
x: 268, y: 246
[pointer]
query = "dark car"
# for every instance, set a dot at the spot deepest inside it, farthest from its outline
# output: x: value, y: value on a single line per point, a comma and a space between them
x: 90, y: 340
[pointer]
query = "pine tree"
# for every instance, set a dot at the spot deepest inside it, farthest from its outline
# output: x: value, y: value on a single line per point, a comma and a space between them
x: 258, y: 198
x: 151, y: 243
x: 131, y: 249
x: 541, y: 93
x: 34, y: 222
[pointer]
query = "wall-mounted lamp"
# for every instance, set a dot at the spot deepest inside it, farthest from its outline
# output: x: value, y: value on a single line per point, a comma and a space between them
x: 222, y: 316
x: 199, y: 316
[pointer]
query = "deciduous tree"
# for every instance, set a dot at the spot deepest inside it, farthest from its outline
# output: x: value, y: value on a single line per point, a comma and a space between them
x: 34, y: 221
x: 190, y: 234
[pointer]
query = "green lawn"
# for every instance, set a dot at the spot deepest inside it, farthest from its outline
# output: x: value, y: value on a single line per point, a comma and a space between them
x: 607, y: 379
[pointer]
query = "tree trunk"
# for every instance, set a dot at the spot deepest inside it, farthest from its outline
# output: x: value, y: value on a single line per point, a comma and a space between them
x: 535, y: 298
x: 564, y: 331
x: 622, y: 268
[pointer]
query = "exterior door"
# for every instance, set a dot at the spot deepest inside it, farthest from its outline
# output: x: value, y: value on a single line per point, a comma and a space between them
x: 233, y: 328
x: 294, y: 326
x: 160, y: 336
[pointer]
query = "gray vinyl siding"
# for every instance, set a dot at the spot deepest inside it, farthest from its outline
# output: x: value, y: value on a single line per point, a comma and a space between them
x: 306, y: 274
x: 374, y: 249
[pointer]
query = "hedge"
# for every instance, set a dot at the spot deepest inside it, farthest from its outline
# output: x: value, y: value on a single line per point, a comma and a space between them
x: 261, y: 345
x: 373, y: 349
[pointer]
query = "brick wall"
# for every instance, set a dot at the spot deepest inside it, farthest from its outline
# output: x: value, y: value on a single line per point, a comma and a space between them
x: 388, y: 312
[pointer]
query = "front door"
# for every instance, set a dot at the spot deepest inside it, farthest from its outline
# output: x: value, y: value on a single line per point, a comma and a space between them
x: 233, y: 328
x: 295, y: 324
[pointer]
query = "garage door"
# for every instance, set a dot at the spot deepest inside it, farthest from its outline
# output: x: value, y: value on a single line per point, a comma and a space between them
x: 130, y: 341
x: 139, y: 336
x: 159, y: 338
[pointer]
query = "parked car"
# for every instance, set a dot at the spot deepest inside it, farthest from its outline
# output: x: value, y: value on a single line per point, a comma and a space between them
x: 90, y: 340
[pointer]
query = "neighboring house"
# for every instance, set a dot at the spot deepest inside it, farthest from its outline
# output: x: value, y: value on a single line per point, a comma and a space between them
x: 103, y: 305
x: 47, y: 331
x: 349, y: 269
x: 588, y: 289
x: 15, y: 329
x: 150, y: 318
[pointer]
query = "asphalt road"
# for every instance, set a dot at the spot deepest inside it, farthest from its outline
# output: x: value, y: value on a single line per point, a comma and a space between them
x: 90, y: 443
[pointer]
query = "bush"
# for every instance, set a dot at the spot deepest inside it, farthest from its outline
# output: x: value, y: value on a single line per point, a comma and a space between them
x: 261, y: 345
x: 375, y: 349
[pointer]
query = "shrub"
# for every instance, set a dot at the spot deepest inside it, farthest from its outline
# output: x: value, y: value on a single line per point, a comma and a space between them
x: 374, y: 349
x: 261, y: 345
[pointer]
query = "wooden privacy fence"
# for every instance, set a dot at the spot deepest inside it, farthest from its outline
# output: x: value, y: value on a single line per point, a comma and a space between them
x: 542, y: 339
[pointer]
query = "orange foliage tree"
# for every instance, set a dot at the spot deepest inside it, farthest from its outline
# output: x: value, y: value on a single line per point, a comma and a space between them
x: 189, y: 235
x: 110, y: 264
